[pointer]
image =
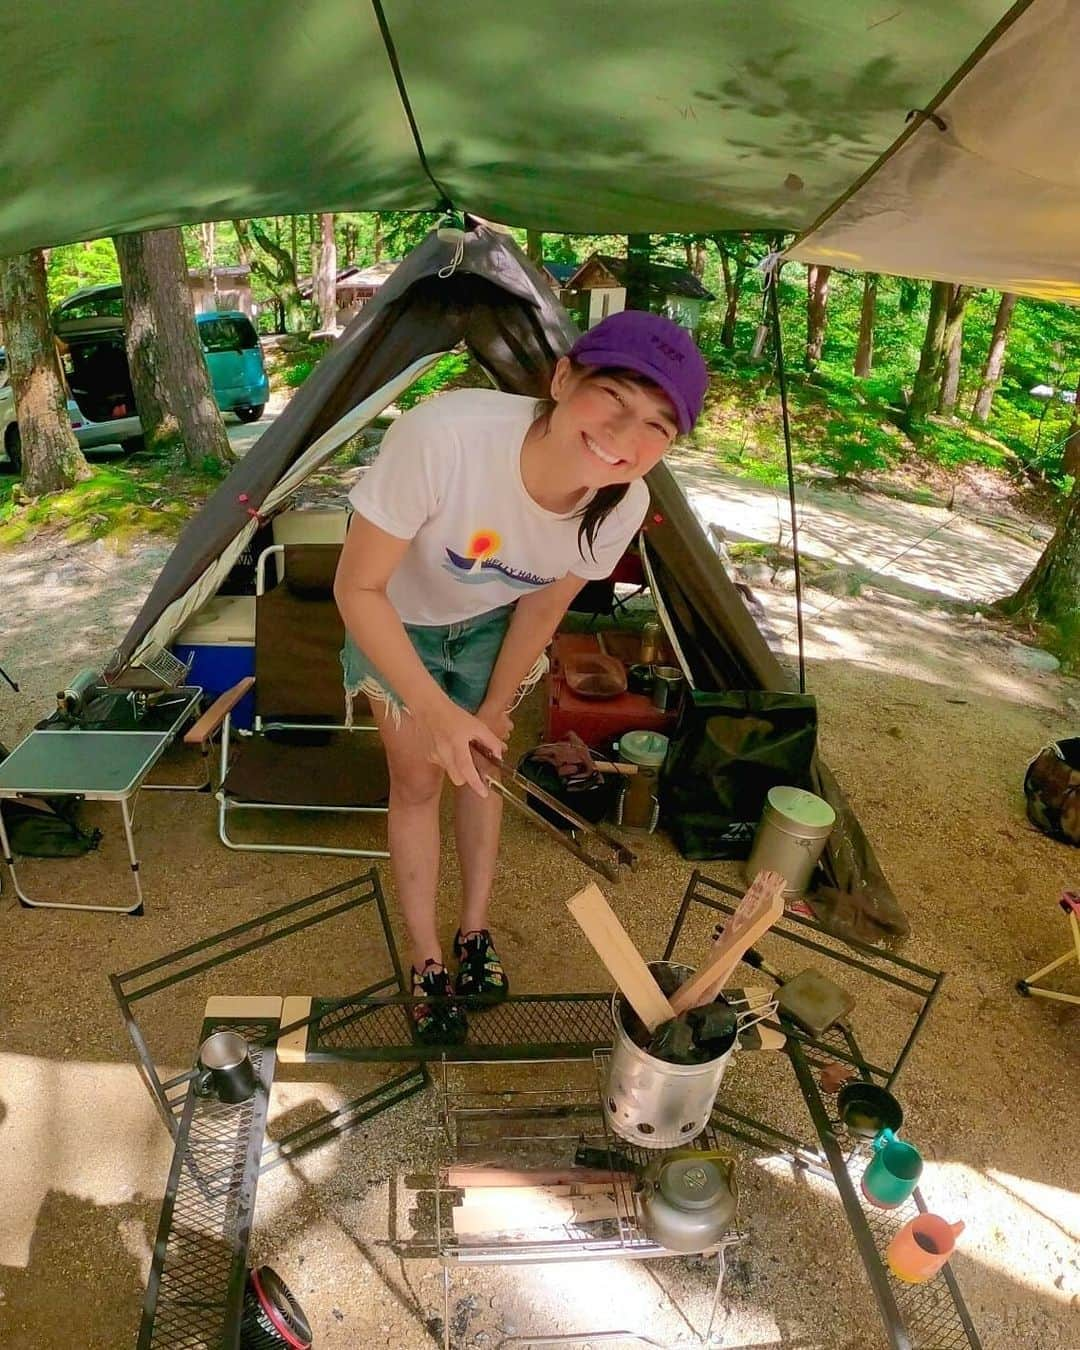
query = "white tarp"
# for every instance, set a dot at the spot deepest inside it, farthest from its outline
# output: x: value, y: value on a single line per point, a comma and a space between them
x: 993, y: 199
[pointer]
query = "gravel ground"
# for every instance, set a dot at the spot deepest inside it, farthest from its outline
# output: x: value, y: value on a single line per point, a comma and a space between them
x: 926, y: 718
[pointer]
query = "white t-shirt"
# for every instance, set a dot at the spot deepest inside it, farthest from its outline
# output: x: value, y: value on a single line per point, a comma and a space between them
x: 448, y: 477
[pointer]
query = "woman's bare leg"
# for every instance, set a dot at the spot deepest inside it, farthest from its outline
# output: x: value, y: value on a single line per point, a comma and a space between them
x: 413, y: 827
x: 477, y: 822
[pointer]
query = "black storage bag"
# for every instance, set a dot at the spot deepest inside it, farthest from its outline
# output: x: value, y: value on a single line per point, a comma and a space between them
x: 1052, y: 790
x: 48, y: 830
x: 729, y: 749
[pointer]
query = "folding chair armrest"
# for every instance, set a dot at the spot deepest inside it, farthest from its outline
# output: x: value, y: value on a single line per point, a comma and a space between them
x: 217, y: 712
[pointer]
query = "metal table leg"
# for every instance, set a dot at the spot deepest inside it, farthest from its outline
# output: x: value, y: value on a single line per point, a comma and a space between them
x: 24, y: 900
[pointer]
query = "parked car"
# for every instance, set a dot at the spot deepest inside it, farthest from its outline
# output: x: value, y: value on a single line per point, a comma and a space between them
x: 10, y: 435
x: 235, y: 361
x: 90, y: 326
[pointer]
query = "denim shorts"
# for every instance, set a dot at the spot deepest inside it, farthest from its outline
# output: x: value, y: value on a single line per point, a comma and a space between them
x: 458, y: 656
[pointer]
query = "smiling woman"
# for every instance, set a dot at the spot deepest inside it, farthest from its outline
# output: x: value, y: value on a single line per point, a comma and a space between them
x: 482, y: 518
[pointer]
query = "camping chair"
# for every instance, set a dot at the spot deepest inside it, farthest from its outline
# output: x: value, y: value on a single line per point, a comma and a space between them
x: 598, y: 598
x: 299, y: 756
x: 1070, y: 904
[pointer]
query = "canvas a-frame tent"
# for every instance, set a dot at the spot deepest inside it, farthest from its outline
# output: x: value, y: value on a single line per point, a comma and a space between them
x: 501, y: 308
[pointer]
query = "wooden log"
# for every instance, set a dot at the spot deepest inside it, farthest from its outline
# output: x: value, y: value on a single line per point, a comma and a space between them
x: 757, y: 911
x: 559, y: 1212
x: 612, y: 944
x: 507, y: 1197
x: 468, y: 1174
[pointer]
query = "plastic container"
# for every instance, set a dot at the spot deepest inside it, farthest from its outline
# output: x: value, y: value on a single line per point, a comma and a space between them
x: 220, y: 643
x: 639, y: 806
x: 649, y: 1102
x: 791, y: 836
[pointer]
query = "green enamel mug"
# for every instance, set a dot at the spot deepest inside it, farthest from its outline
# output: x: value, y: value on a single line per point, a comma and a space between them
x: 893, y: 1172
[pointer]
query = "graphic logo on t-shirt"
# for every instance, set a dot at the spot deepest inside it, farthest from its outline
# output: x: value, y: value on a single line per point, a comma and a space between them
x: 479, y: 564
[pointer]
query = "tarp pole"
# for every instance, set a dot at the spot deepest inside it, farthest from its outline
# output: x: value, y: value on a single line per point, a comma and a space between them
x: 772, y: 272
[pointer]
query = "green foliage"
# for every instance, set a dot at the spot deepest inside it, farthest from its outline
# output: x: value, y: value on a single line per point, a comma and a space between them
x: 72, y: 266
x: 450, y: 368
x: 843, y: 425
x: 297, y: 372
x: 212, y: 467
x: 119, y: 502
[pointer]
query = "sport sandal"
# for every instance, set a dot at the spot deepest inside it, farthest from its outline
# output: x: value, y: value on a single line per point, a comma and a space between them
x: 481, y: 980
x: 436, y: 1023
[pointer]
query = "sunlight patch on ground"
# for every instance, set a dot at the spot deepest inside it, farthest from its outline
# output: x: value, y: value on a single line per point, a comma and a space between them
x: 1005, y: 1218
x: 88, y: 1130
x: 1057, y: 1205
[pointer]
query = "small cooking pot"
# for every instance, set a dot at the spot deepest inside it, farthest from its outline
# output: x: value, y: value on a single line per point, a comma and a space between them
x: 687, y: 1203
x: 591, y: 796
x: 866, y: 1109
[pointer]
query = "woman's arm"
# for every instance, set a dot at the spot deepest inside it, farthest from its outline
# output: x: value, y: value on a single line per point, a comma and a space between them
x: 535, y: 619
x: 368, y: 559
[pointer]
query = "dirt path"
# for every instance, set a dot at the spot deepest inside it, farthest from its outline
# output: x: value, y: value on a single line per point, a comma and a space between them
x: 927, y: 717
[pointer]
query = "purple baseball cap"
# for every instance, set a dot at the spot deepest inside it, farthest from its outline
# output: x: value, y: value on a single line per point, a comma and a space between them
x: 653, y: 346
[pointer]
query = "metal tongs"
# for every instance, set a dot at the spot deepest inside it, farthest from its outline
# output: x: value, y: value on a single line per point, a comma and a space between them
x: 621, y: 856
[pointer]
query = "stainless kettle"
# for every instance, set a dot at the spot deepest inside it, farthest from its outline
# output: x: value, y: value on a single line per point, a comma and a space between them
x: 687, y: 1201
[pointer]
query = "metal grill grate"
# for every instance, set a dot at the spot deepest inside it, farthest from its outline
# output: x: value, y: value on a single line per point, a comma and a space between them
x: 196, y: 1283
x: 930, y: 1311
x: 483, y: 1123
x: 523, y: 1027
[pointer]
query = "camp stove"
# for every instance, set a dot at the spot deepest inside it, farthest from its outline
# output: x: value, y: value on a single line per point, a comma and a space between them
x: 613, y: 853
x: 92, y: 702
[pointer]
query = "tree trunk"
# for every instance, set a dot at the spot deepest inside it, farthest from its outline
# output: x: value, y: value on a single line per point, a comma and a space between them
x: 864, y: 351
x: 168, y: 370
x: 324, y: 289
x: 924, y: 393
x: 51, y: 456
x: 952, y: 344
x: 281, y: 277
x: 1051, y: 593
x: 534, y: 245
x: 377, y: 239
x: 995, y: 359
x: 1070, y: 455
x: 817, y: 298
x: 638, y: 261
x: 909, y: 295
x: 733, y: 282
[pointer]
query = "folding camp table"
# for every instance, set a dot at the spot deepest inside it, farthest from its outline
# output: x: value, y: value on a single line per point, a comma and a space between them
x: 104, y: 766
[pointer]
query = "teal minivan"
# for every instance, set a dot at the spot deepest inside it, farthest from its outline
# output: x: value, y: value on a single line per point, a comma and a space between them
x: 90, y: 324
x: 235, y: 361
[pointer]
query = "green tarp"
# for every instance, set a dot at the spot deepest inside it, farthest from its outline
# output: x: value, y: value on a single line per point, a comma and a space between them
x: 582, y: 115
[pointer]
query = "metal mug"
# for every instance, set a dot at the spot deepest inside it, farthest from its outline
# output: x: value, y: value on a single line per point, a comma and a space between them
x: 225, y: 1069
x: 667, y: 685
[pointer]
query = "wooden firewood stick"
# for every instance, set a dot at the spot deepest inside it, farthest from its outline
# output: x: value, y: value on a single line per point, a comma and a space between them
x: 758, y: 910
x: 612, y: 944
x: 471, y: 1174
x: 558, y: 1212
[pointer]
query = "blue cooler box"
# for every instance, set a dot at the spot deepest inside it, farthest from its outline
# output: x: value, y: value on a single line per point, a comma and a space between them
x: 220, y: 642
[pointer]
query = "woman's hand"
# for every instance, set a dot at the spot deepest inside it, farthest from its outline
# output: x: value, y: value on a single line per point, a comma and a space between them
x: 451, y: 733
x: 497, y: 718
